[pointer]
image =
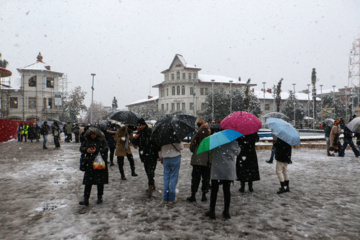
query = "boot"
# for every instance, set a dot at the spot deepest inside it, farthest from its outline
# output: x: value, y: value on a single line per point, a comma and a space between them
x: 270, y: 160
x: 287, y: 188
x: 150, y: 190
x: 203, y: 197
x: 192, y: 198
x: 99, y: 200
x: 122, y: 174
x: 132, y: 166
x: 250, y: 187
x: 226, y: 213
x: 282, y: 189
x: 210, y: 214
x: 85, y: 202
x: 242, y: 188
x: 133, y: 174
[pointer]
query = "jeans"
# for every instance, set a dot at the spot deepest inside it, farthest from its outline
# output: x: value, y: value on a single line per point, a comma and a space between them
x: 327, y: 143
x: 348, y: 141
x: 45, y: 140
x: 171, y: 174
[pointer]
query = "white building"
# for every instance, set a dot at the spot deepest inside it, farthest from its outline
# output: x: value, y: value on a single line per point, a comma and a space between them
x: 39, y: 97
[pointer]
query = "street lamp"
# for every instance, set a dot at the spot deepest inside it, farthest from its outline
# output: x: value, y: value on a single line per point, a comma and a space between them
x: 193, y: 93
x: 264, y: 94
x: 308, y: 100
x: 334, y: 101
x: 294, y: 106
x: 321, y: 100
x: 346, y: 102
x: 212, y: 110
x: 231, y: 94
x: 92, y: 97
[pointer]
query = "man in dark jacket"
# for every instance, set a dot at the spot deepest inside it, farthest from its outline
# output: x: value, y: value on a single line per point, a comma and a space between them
x: 148, y: 152
x: 109, y: 135
x: 283, y: 158
x: 348, y: 141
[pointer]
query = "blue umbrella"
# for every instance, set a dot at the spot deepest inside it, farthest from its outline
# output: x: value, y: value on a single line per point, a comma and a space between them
x: 218, y: 139
x: 284, y: 130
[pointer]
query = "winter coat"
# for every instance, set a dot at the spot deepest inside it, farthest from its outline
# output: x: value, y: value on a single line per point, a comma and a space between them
x: 68, y: 129
x: 45, y: 129
x: 348, y: 133
x: 56, y: 130
x: 109, y: 136
x: 94, y: 176
x: 25, y: 130
x: 171, y: 150
x: 147, y: 149
x: 282, y: 151
x: 327, y: 131
x: 334, y: 137
x: 222, y: 161
x: 201, y: 159
x: 32, y: 132
x: 247, y: 168
x: 120, y: 141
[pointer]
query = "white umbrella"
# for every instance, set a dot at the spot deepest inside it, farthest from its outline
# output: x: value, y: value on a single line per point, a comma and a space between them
x: 354, y: 125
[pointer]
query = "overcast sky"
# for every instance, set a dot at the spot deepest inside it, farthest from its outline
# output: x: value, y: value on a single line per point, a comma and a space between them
x: 127, y: 43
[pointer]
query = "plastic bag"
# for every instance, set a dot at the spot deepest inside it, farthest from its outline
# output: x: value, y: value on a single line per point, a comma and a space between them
x: 99, y: 162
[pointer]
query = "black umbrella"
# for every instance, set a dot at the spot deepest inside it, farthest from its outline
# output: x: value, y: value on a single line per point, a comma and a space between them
x: 126, y: 117
x: 103, y: 124
x: 173, y: 128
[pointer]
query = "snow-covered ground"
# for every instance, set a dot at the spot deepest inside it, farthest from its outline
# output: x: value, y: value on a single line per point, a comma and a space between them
x: 40, y: 191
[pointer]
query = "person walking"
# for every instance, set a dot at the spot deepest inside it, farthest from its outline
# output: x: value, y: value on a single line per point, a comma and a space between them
x: 223, y: 173
x: 123, y: 138
x: 334, y: 137
x: 76, y: 131
x: 109, y: 136
x: 45, y: 130
x: 93, y: 145
x: 283, y: 158
x: 25, y: 131
x: 200, y: 163
x: 19, y: 132
x: 38, y: 132
x: 170, y: 156
x: 348, y: 135
x: 68, y: 132
x: 247, y: 168
x: 327, y: 130
x: 56, y: 134
x: 32, y: 132
x: 148, y: 152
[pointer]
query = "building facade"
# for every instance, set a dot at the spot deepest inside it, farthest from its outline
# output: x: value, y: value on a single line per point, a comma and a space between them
x: 39, y: 97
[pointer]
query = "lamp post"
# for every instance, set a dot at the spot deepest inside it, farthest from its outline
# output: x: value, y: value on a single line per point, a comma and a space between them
x: 231, y: 94
x: 212, y: 97
x: 264, y: 94
x: 294, y: 107
x: 321, y: 100
x: 308, y: 100
x: 193, y: 93
x: 334, y: 101
x: 92, y: 97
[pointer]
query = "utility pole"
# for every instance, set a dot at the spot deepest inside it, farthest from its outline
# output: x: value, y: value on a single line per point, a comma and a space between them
x: 212, y: 110
x: 92, y: 98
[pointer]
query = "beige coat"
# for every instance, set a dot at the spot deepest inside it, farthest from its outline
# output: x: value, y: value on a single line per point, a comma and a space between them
x: 334, y: 137
x: 120, y: 141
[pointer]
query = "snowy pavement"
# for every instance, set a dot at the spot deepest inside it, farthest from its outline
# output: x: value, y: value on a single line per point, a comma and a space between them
x: 40, y: 191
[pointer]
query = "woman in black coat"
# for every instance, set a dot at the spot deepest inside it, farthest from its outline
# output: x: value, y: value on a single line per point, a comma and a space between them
x: 94, y: 143
x: 247, y: 168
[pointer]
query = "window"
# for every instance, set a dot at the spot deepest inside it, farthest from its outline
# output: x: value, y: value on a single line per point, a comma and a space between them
x: 32, y: 102
x: 50, y: 82
x: 167, y: 92
x: 189, y: 75
x: 44, y: 103
x: 267, y: 106
x: 194, y: 75
x: 49, y: 103
x: 192, y: 91
x: 203, y: 106
x: 14, y: 102
x: 173, y: 90
x: 206, y: 91
x: 162, y: 107
x: 183, y: 106
x: 172, y: 76
x: 177, y: 106
x: 201, y: 91
x: 166, y: 77
x: 191, y: 106
x: 178, y: 75
x: 172, y: 106
x: 183, y: 90
x: 184, y: 75
x: 178, y: 90
x: 32, y: 81
x: 167, y: 107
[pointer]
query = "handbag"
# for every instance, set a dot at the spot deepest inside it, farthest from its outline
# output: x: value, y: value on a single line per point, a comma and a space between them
x: 99, y: 162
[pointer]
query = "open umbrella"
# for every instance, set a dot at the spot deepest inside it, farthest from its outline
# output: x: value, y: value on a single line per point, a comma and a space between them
x: 354, y: 125
x: 126, y: 117
x: 173, y: 128
x: 284, y: 130
x: 329, y: 122
x: 218, y: 139
x: 243, y: 122
x: 276, y: 115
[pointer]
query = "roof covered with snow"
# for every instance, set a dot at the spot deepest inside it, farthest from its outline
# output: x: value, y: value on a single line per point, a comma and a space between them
x: 144, y: 101
x: 284, y: 95
x: 221, y: 79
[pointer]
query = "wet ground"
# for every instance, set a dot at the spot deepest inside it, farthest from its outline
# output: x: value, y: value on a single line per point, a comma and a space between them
x: 40, y: 191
